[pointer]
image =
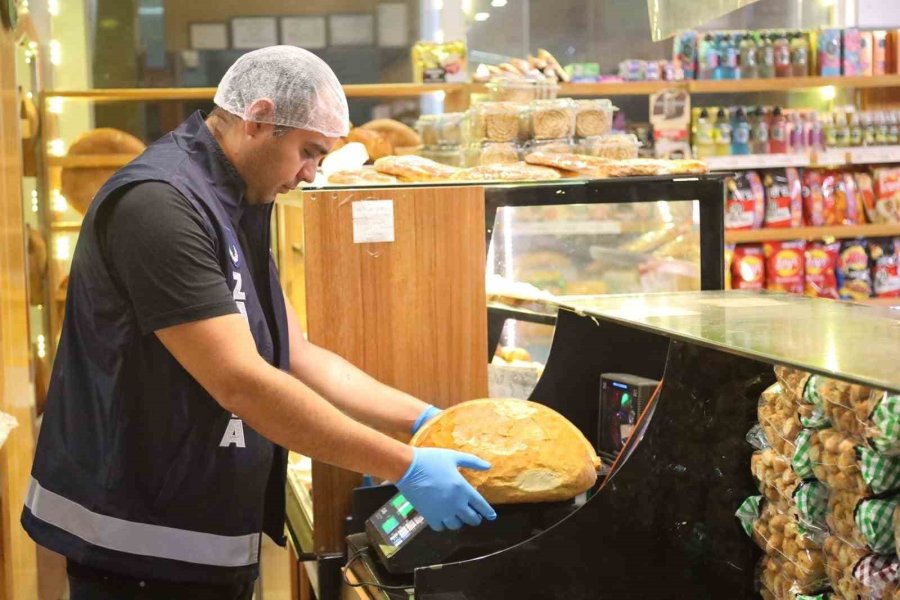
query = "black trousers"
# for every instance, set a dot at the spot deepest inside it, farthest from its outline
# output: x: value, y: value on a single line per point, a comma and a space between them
x: 89, y: 584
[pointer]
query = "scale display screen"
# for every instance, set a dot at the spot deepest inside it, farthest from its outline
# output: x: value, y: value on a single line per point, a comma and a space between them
x: 396, y: 523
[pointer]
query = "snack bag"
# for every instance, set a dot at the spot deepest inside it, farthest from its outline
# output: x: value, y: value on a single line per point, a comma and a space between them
x: 729, y: 256
x: 863, y: 522
x: 847, y: 205
x: 784, y: 207
x: 887, y: 192
x: 740, y: 205
x: 843, y: 465
x: 821, y: 264
x: 784, y: 266
x: 829, y: 203
x: 885, y: 256
x: 748, y: 268
x: 813, y: 200
x: 853, y: 275
x: 876, y: 211
x: 755, y: 182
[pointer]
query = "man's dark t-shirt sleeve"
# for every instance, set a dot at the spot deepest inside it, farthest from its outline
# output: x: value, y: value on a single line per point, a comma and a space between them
x: 164, y: 258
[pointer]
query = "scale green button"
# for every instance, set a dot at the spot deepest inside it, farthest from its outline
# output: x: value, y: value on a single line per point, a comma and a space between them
x: 405, y: 509
x: 390, y: 524
x: 398, y: 501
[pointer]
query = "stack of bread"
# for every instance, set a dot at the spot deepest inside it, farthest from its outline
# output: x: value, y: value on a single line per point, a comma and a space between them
x: 828, y: 468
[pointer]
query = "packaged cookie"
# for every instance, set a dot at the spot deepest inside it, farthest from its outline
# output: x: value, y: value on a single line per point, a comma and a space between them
x: 776, y: 584
x: 863, y: 522
x: 593, y: 117
x: 869, y: 417
x: 427, y: 128
x: 497, y: 121
x: 449, y: 129
x: 857, y: 574
x: 616, y: 146
x: 553, y: 119
x: 513, y: 90
x: 779, y: 535
x: 843, y: 465
x: 853, y: 275
x: 780, y: 485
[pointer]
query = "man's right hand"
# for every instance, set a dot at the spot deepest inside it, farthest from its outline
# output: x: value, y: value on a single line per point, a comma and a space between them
x: 437, y: 490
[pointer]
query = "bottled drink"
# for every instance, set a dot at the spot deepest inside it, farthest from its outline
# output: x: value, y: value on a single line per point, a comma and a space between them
x: 778, y: 134
x: 797, y: 134
x: 881, y: 129
x: 893, y: 136
x: 704, y: 143
x: 766, y: 57
x: 868, y: 129
x: 815, y: 138
x: 830, y: 131
x: 800, y: 55
x: 855, y: 129
x: 782, y: 55
x: 748, y: 54
x: 841, y: 130
x: 759, y: 134
x: 709, y: 57
x: 728, y: 56
x: 740, y: 136
x: 723, y: 133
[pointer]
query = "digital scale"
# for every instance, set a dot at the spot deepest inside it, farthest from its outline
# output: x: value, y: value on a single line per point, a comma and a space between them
x: 622, y: 399
x: 403, y: 541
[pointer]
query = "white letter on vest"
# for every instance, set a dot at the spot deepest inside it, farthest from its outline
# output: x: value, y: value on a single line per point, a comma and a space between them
x: 234, y: 434
x: 239, y: 295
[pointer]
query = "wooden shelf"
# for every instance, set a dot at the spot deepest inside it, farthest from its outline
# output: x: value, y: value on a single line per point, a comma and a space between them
x: 625, y: 88
x: 74, y: 226
x: 811, y: 233
x: 784, y: 84
x: 91, y: 160
x: 389, y: 90
x: 833, y: 157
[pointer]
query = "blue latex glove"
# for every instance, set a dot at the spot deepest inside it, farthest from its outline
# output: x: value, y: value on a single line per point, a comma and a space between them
x: 429, y: 412
x: 435, y: 487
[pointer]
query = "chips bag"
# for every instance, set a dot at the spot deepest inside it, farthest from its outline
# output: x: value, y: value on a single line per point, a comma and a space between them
x: 853, y: 276
x: 813, y: 200
x: 745, y: 202
x: 847, y: 204
x: 821, y: 264
x: 748, y: 268
x: 885, y: 256
x: 784, y: 207
x: 784, y: 266
x: 886, y: 182
x: 829, y: 207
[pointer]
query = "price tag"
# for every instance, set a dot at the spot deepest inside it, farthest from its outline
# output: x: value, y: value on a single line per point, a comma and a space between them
x: 875, y: 154
x: 373, y: 221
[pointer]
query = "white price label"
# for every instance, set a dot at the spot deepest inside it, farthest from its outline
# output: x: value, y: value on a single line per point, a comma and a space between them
x: 875, y: 154
x: 373, y: 221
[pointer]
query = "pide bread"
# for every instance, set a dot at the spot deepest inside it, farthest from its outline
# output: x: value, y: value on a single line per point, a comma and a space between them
x: 575, y: 163
x: 511, y: 172
x: 415, y: 168
x: 536, y: 454
x: 79, y: 184
x: 363, y: 176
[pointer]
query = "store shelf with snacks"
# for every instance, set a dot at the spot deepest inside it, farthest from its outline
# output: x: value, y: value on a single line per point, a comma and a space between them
x: 784, y: 84
x: 832, y: 157
x: 757, y: 161
x: 811, y: 233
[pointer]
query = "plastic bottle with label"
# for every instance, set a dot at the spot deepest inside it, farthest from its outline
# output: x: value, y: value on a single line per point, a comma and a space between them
x: 829, y: 130
x: 759, y: 132
x: 723, y: 133
x: 796, y: 134
x: 765, y: 64
x: 868, y: 129
x: 893, y: 136
x: 778, y: 133
x: 841, y: 130
x: 856, y: 131
x: 747, y: 52
x: 740, y: 136
x: 815, y: 136
x: 704, y: 142
x: 799, y: 54
x: 782, y: 55
x: 708, y: 57
x: 728, y: 53
x: 881, y: 128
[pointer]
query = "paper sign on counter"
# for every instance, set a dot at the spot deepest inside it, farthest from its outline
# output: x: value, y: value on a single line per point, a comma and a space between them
x: 373, y: 221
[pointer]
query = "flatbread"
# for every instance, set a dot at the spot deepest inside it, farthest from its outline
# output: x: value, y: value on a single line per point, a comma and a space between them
x: 512, y: 172
x: 364, y: 176
x: 415, y: 168
x: 575, y: 163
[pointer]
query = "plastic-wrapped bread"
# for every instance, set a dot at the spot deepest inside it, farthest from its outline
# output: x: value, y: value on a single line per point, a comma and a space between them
x: 511, y: 172
x: 777, y: 413
x: 776, y: 584
x: 863, y: 522
x: 414, y: 168
x: 857, y: 574
x: 780, y: 485
x: 536, y: 454
x: 842, y: 465
x: 870, y: 417
x: 574, y: 163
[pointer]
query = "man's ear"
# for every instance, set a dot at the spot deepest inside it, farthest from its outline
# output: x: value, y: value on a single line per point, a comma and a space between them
x: 262, y: 109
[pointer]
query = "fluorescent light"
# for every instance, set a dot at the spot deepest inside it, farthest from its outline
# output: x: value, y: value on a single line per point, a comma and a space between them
x: 55, y: 105
x: 53, y: 8
x: 57, y: 147
x: 482, y: 16
x: 828, y: 92
x: 498, y: 3
x: 55, y: 52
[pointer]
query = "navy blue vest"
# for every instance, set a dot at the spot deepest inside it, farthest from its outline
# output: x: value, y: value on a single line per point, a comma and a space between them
x: 138, y: 470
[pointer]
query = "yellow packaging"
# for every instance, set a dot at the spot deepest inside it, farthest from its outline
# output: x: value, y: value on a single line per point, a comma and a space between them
x: 435, y: 62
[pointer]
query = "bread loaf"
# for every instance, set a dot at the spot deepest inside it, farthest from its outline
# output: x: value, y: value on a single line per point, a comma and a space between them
x: 397, y: 133
x: 80, y: 184
x: 414, y: 168
x: 536, y: 454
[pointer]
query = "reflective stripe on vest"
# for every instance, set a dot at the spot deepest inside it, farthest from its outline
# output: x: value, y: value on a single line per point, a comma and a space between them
x: 141, y: 538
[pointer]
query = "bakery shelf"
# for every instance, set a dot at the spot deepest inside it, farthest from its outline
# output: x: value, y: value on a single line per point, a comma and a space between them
x: 70, y: 226
x: 812, y: 233
x: 91, y: 160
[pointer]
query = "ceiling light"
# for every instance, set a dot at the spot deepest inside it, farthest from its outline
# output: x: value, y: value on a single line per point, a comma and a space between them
x: 482, y: 16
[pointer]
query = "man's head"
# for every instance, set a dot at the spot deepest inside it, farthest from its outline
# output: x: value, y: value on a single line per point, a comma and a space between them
x: 279, y: 111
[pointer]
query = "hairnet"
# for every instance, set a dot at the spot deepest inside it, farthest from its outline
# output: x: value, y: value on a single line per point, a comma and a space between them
x: 305, y: 91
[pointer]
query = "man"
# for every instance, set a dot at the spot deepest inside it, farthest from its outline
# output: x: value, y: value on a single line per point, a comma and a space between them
x: 182, y: 376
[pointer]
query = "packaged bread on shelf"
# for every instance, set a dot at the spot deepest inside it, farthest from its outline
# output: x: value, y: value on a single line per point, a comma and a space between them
x: 777, y: 584
x: 414, y: 168
x: 615, y: 146
x: 398, y: 134
x: 536, y: 454
x: 780, y: 485
x: 777, y: 414
x: 553, y: 119
x: 863, y: 522
x: 842, y: 465
x: 493, y: 153
x: 781, y: 536
x: 857, y: 574
x: 79, y: 184
x: 511, y: 172
x: 868, y: 416
x: 793, y: 381
x: 498, y: 121
x: 363, y: 176
x: 593, y: 117
x: 573, y: 163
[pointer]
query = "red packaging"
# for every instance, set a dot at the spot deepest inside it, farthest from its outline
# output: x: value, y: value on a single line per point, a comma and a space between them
x: 744, y: 201
x: 885, y: 255
x: 813, y: 199
x: 829, y: 204
x: 784, y: 207
x: 866, y: 193
x: 748, y: 268
x: 887, y: 192
x: 784, y: 266
x: 759, y: 194
x: 846, y: 201
x: 821, y: 264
